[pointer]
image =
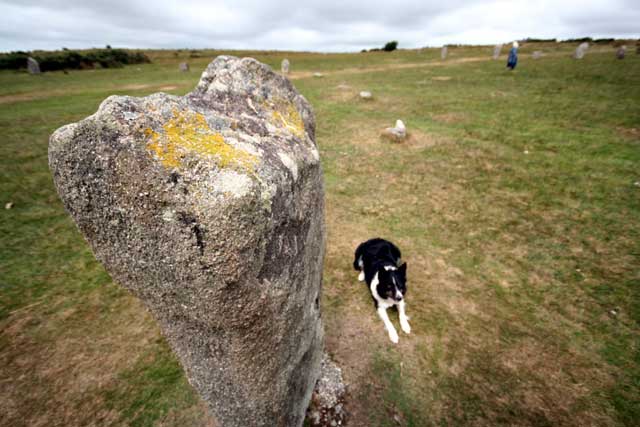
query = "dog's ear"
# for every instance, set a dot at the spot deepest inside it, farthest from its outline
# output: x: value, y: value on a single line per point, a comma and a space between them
x: 403, y: 269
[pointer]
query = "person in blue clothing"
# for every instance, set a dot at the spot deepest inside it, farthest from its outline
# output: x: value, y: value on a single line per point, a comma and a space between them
x: 513, y: 57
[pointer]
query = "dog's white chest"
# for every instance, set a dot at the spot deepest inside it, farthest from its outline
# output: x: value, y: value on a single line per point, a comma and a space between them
x: 382, y: 302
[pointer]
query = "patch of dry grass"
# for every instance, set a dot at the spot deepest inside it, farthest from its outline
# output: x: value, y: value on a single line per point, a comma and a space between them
x: 516, y: 261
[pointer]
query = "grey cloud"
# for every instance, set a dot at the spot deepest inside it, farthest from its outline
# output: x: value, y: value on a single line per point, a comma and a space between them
x: 328, y: 25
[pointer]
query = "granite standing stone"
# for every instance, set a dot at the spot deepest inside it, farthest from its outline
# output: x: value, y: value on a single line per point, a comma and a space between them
x: 284, y: 67
x: 184, y: 67
x: 581, y: 50
x: 496, y: 51
x: 443, y: 53
x: 209, y: 208
x: 32, y: 66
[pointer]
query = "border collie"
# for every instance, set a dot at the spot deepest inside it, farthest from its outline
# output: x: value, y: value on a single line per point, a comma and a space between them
x: 378, y: 261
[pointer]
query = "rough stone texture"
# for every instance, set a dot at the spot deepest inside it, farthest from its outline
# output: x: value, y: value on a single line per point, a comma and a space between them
x: 396, y: 133
x: 443, y: 53
x: 184, y: 67
x: 32, y: 66
x: 209, y: 208
x: 581, y: 50
x: 284, y: 67
x: 496, y: 51
x: 327, y: 403
x: 366, y: 95
x: 621, y: 52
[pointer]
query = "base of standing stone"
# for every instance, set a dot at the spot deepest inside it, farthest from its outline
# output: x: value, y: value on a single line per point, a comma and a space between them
x: 327, y: 402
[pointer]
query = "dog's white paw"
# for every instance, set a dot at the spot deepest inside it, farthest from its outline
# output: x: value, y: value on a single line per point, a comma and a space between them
x: 404, y: 324
x: 361, y: 276
x: 393, y: 336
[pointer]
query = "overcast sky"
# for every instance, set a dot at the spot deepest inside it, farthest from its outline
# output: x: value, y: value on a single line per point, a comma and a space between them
x: 316, y: 25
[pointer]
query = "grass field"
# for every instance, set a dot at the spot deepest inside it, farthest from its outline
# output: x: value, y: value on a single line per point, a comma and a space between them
x: 515, y: 201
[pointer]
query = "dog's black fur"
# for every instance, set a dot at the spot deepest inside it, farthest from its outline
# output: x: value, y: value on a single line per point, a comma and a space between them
x: 372, y: 257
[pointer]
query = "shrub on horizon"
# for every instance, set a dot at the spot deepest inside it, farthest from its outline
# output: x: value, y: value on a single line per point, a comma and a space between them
x: 390, y: 46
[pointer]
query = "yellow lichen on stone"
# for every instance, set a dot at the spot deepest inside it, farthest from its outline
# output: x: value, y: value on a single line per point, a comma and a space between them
x: 286, y: 115
x: 187, y: 133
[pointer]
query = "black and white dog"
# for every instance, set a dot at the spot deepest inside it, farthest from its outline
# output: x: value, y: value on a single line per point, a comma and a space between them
x: 378, y: 261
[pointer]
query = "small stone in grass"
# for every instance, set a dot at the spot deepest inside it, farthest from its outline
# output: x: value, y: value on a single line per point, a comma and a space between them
x: 397, y: 133
x: 366, y: 95
x: 8, y: 206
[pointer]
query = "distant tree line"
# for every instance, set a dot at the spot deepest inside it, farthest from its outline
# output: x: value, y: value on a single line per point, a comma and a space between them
x: 69, y: 59
x: 578, y: 40
x: 393, y: 45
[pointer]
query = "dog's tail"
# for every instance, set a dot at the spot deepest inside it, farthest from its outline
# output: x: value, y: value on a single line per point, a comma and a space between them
x: 357, y: 262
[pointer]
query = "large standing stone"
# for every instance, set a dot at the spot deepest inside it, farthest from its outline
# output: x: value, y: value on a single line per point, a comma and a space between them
x: 581, y: 50
x: 184, y: 67
x: 496, y: 51
x: 443, y: 53
x: 32, y: 66
x: 284, y: 67
x: 209, y: 208
x: 621, y: 52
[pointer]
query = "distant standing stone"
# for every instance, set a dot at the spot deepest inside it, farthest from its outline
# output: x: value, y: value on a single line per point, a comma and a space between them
x: 366, y: 95
x: 496, y: 51
x: 581, y: 50
x: 443, y: 53
x: 33, y: 66
x: 536, y: 54
x: 621, y: 52
x: 184, y: 67
x: 318, y: 75
x: 284, y: 67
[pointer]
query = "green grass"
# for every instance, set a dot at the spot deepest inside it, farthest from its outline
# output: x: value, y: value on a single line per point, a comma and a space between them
x: 513, y: 202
